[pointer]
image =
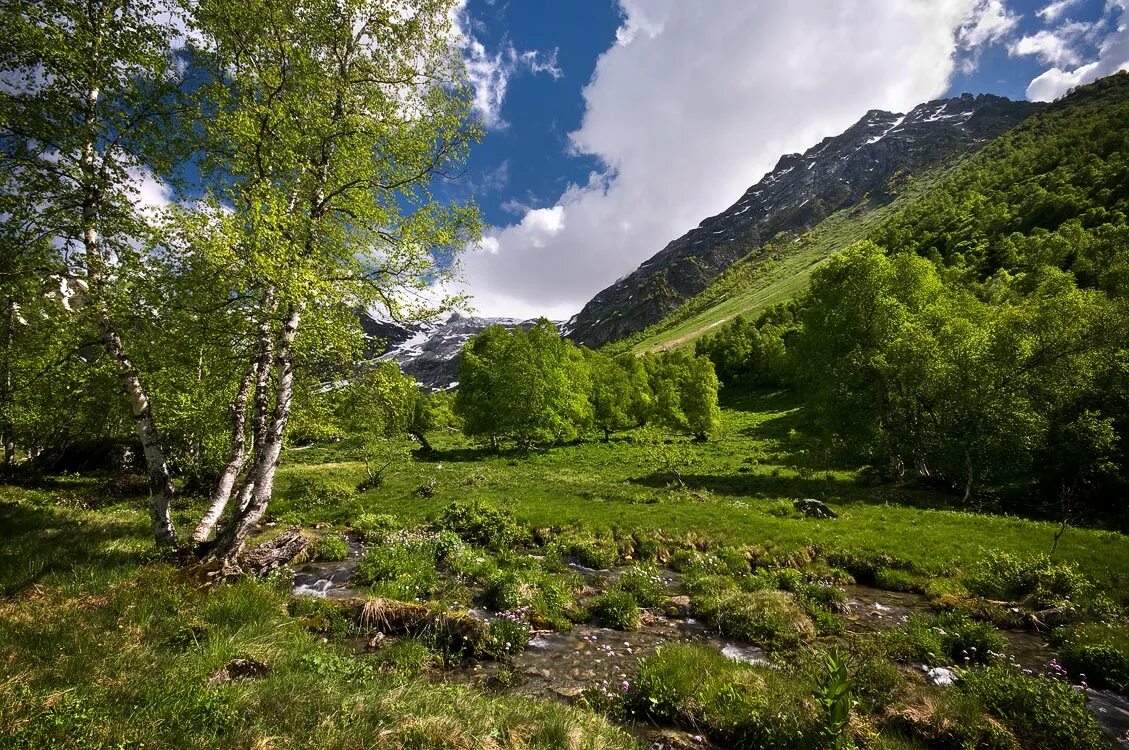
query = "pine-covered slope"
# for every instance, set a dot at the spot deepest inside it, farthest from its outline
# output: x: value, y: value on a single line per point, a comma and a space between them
x: 861, y: 167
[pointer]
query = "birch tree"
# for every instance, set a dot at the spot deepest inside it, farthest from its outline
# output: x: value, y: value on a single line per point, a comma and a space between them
x: 84, y: 103
x: 326, y: 125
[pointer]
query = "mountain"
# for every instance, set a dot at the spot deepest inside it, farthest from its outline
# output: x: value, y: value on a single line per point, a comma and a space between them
x: 429, y: 352
x: 865, y: 166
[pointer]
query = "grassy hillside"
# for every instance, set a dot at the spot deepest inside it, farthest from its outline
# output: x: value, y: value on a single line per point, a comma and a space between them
x: 775, y: 274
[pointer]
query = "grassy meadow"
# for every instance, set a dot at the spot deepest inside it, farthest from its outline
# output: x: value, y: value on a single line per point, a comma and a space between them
x: 107, y: 644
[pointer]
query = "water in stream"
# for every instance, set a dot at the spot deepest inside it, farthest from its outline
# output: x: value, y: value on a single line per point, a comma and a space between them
x: 562, y: 665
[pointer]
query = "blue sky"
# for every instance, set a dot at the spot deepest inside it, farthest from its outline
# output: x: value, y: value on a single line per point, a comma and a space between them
x: 616, y: 125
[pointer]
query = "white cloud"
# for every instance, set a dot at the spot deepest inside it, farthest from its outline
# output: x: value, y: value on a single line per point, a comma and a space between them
x: 1054, y: 11
x: 1112, y: 56
x: 490, y: 72
x: 1049, y: 47
x: 990, y: 21
x: 693, y: 103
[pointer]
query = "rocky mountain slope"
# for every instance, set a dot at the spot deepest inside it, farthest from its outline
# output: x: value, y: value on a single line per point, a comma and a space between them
x: 863, y: 165
x: 429, y: 352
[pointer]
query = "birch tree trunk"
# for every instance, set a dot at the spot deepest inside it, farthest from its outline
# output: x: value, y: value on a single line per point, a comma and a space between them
x: 260, y: 481
x: 236, y: 459
x: 6, y: 428
x: 161, y: 490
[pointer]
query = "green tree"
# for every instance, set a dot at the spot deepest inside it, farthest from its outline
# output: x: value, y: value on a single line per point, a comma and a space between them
x: 529, y: 386
x: 87, y: 95
x: 324, y: 124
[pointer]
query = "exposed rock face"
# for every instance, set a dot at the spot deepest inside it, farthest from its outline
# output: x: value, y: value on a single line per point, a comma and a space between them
x: 430, y: 352
x: 858, y: 165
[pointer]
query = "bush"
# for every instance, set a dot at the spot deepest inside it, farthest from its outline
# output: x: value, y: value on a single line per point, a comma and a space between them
x: 616, y: 609
x: 770, y: 618
x: 1100, y: 651
x: 509, y: 634
x: 403, y: 568
x: 548, y: 598
x: 721, y: 562
x: 743, y: 706
x: 1036, y: 580
x: 1040, y: 712
x: 644, y: 583
x: 373, y: 527
x: 947, y: 638
x: 597, y: 552
x: 481, y: 524
x: 329, y: 548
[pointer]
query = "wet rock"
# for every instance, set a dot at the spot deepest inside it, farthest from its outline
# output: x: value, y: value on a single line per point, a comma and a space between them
x: 814, y: 508
x: 238, y: 669
x: 678, y: 606
x: 673, y: 739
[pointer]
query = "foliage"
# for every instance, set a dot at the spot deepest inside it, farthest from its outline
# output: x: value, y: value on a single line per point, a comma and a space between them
x: 945, y: 639
x: 329, y: 548
x: 1040, y: 711
x: 482, y: 524
x: 616, y: 609
x: 1097, y: 653
x: 745, y: 707
x: 529, y: 386
x: 1036, y: 580
x: 770, y: 618
x: 835, y: 698
x: 644, y: 583
x: 746, y: 353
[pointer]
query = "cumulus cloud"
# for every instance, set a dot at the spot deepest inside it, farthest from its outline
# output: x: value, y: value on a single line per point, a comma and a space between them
x: 693, y: 103
x: 1050, y: 47
x: 1067, y: 73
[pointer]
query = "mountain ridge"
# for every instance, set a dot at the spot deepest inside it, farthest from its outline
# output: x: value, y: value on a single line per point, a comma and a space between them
x: 866, y: 163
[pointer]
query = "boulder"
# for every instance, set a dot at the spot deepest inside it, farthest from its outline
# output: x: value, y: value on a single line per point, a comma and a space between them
x: 814, y: 508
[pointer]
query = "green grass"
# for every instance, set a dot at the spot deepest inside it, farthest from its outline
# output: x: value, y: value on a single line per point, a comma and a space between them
x: 105, y: 644
x: 773, y: 274
x: 739, y: 490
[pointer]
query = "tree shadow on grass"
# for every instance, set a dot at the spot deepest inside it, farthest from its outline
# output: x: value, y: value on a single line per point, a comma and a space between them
x: 757, y: 485
x: 37, y: 541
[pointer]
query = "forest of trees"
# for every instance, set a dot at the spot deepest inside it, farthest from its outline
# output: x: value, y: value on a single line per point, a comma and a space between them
x: 533, y: 386
x: 982, y: 339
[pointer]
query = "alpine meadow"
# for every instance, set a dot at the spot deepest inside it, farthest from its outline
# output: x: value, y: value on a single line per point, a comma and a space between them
x: 288, y: 463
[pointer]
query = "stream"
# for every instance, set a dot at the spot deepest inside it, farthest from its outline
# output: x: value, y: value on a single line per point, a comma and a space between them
x: 561, y: 665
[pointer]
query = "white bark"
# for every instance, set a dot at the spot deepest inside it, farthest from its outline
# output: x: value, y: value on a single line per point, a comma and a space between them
x: 236, y: 459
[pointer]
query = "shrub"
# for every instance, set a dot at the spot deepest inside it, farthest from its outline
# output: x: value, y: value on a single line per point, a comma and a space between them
x: 596, y: 552
x: 741, y: 705
x: 616, y: 609
x: 948, y: 638
x: 1100, y: 651
x: 769, y: 618
x: 509, y: 634
x: 329, y: 548
x: 481, y: 524
x: 695, y: 563
x: 548, y: 598
x: 373, y: 527
x: 403, y: 568
x: 644, y: 583
x: 1040, y: 712
x: 1036, y: 580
